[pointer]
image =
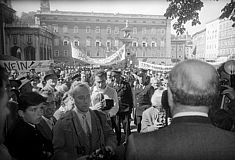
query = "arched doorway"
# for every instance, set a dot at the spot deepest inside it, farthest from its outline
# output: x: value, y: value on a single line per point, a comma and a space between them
x: 29, y: 53
x: 16, y: 52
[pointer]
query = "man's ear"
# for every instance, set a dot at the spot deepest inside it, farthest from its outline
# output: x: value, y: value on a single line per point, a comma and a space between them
x: 21, y: 113
x: 170, y: 98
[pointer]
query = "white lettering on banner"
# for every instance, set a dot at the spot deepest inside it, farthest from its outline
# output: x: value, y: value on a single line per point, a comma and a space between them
x: 118, y: 56
x: 25, y: 66
x: 154, y: 67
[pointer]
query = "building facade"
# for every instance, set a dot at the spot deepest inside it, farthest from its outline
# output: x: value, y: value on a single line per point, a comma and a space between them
x: 6, y: 17
x: 29, y: 42
x: 226, y: 39
x: 178, y: 48
x: 199, y: 41
x: 98, y: 34
x: 212, y: 40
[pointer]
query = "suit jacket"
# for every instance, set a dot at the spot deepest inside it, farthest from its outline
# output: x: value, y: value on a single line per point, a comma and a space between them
x: 47, y: 133
x: 143, y: 98
x: 45, y: 129
x: 70, y: 140
x: 189, y: 137
x: 125, y: 97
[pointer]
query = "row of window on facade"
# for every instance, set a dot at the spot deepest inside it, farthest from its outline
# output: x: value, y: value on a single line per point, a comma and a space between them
x: 227, y: 34
x: 88, y: 53
x: 116, y: 30
x: 226, y: 25
x: 211, y: 46
x: 227, y: 43
x: 15, y: 39
x: 109, y: 43
x: 227, y: 51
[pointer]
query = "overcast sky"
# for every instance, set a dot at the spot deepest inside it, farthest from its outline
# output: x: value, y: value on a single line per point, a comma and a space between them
x: 210, y: 11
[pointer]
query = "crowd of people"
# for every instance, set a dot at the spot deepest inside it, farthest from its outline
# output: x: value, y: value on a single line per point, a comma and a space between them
x: 87, y: 113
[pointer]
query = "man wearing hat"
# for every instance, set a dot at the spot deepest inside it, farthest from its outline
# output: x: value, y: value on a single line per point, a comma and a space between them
x: 50, y: 79
x: 125, y: 99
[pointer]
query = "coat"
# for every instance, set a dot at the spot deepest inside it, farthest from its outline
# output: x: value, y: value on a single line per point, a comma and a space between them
x: 188, y: 137
x: 70, y: 140
x: 26, y: 142
x: 143, y: 98
x: 125, y: 97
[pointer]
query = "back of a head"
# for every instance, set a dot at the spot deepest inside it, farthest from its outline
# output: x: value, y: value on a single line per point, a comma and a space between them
x: 194, y: 83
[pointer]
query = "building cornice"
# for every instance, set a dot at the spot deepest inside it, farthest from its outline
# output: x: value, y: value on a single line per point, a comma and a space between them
x: 96, y: 14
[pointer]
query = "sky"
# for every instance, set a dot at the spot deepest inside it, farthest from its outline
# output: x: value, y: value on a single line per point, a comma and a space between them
x: 210, y: 11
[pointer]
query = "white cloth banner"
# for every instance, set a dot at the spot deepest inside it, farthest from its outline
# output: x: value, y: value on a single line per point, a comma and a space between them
x: 25, y: 66
x: 118, y: 56
x: 154, y: 67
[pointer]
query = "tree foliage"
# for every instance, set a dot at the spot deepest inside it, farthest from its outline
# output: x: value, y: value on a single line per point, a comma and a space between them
x: 28, y: 18
x: 188, y: 10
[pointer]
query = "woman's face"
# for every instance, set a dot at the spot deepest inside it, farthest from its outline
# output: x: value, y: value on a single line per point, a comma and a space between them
x: 33, y: 114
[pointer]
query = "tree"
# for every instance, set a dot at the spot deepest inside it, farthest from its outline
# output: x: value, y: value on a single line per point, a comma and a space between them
x: 187, y: 10
x: 28, y: 18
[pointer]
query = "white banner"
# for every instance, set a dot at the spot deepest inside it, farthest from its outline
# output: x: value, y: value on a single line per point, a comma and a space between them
x: 25, y: 66
x: 114, y: 58
x: 154, y: 67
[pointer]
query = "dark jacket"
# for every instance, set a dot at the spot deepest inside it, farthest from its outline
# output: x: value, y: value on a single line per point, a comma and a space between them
x: 189, y: 137
x: 26, y: 143
x: 125, y: 97
x: 143, y: 98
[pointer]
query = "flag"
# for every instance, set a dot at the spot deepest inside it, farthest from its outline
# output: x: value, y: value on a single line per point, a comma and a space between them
x: 76, y: 53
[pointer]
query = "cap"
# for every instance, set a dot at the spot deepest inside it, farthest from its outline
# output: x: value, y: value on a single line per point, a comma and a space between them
x: 48, y: 73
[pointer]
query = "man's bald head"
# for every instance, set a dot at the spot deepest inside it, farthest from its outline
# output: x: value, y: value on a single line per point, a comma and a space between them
x: 194, y: 83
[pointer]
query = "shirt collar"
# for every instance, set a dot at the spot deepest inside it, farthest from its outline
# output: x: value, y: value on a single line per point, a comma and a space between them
x: 100, y: 90
x: 181, y: 114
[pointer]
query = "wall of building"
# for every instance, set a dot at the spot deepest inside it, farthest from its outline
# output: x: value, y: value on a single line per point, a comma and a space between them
x: 199, y: 41
x: 152, y: 39
x: 29, y: 43
x: 226, y: 38
x: 212, y: 40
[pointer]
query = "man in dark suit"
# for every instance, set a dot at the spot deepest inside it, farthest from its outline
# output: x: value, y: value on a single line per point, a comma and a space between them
x: 125, y: 101
x: 192, y: 91
x: 143, y: 94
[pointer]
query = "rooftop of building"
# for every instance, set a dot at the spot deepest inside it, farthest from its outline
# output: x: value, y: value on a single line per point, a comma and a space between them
x: 201, y: 31
x: 97, y: 14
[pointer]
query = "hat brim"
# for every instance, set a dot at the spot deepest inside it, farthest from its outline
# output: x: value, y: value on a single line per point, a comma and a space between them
x: 44, y: 78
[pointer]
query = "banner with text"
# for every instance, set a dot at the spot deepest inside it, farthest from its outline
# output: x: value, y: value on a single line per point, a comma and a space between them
x: 118, y: 56
x: 25, y: 66
x: 154, y: 67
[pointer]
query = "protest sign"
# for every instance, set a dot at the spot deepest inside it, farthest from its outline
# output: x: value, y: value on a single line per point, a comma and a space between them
x: 25, y: 66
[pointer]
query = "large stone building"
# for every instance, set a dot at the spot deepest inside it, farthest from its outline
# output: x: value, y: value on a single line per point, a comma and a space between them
x: 98, y: 34
x: 199, y: 42
x: 29, y: 42
x: 212, y: 40
x: 226, y: 39
x: 6, y: 17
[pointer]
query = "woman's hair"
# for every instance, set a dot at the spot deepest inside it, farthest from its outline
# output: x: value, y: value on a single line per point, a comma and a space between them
x: 30, y: 99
